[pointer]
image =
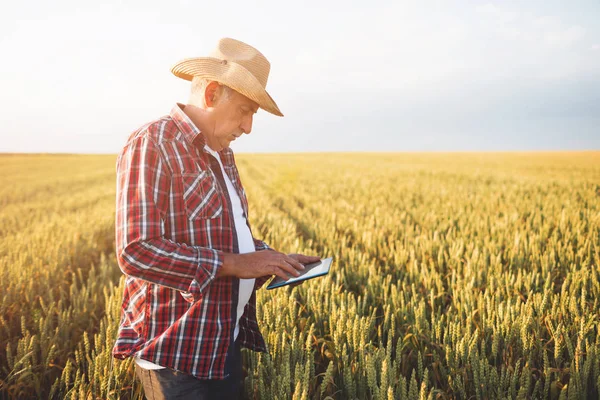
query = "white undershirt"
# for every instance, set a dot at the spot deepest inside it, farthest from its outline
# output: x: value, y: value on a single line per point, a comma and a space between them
x: 245, y: 245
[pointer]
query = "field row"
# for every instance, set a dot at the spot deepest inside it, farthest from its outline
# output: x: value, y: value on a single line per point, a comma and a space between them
x: 454, y: 276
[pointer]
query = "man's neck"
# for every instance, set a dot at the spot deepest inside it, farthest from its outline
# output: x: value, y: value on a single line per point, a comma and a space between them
x: 198, y: 116
x: 202, y: 120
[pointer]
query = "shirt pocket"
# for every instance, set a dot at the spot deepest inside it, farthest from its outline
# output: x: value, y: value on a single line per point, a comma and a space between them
x: 201, y: 196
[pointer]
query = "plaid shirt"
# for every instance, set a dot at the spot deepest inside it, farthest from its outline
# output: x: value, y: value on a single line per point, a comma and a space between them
x: 173, y: 224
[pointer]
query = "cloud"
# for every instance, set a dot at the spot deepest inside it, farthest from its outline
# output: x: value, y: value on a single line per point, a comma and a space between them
x: 560, y: 36
x: 595, y: 46
x: 410, y: 47
x: 545, y: 30
x: 500, y: 14
x: 528, y: 45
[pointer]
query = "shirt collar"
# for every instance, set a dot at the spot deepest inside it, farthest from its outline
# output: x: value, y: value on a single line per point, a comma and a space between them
x: 190, y: 132
x: 194, y: 136
x: 208, y: 149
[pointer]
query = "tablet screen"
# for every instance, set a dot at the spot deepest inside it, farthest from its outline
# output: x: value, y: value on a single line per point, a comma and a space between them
x: 311, y: 270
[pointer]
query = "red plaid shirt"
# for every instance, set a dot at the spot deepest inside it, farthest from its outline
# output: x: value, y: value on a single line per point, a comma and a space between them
x: 173, y: 224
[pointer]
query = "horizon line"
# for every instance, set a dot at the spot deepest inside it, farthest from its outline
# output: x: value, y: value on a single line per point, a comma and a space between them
x: 324, y: 152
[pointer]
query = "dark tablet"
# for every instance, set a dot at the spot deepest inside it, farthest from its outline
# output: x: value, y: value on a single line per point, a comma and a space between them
x: 311, y: 270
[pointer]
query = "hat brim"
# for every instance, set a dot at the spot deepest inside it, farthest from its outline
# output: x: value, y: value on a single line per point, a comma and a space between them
x: 229, y: 74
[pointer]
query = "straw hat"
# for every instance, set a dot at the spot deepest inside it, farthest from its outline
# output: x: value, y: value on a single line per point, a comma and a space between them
x: 234, y: 64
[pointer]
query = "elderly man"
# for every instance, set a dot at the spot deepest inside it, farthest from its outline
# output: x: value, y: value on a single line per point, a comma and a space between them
x: 183, y: 238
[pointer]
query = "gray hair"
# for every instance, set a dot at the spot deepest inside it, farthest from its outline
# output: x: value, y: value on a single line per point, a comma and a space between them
x: 199, y: 85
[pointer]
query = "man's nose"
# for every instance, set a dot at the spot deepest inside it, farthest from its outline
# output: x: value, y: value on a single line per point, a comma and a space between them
x: 247, y: 125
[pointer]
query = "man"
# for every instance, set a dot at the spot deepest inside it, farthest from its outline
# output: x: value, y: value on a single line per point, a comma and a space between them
x: 183, y: 237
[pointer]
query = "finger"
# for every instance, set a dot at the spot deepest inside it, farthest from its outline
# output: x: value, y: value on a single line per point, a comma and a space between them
x: 280, y: 273
x: 295, y: 263
x: 296, y: 271
x: 287, y: 267
x: 308, y: 259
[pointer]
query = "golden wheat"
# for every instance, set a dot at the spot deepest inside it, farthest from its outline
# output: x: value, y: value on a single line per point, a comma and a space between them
x: 455, y: 276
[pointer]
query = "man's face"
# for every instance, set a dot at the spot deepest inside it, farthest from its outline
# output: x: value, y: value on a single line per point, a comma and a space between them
x: 232, y: 117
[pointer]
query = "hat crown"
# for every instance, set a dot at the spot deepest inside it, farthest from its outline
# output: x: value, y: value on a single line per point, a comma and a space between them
x: 245, y: 55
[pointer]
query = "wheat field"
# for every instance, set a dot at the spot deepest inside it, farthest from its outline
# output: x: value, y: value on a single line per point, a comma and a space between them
x: 455, y: 276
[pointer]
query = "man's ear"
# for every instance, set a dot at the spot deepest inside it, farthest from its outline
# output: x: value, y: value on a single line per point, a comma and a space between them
x: 211, y: 93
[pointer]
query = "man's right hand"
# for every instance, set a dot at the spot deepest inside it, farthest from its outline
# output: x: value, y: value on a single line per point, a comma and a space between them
x: 259, y: 263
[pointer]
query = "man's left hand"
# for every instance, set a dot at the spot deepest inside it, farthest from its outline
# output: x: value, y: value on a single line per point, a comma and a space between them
x: 302, y: 259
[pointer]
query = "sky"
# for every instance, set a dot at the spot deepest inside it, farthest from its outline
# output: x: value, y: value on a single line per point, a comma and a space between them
x: 80, y: 76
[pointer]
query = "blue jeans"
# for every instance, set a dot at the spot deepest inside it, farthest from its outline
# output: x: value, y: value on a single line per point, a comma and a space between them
x: 166, y: 384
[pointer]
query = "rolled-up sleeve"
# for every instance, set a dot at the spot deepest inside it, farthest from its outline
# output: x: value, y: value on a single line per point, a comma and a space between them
x: 143, y: 187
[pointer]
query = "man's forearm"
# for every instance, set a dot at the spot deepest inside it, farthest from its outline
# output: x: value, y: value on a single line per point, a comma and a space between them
x: 167, y: 263
x: 228, y: 266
